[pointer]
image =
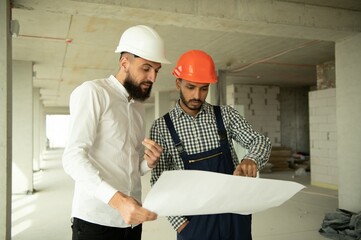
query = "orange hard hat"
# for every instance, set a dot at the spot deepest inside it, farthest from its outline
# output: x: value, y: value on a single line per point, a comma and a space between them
x: 196, y: 66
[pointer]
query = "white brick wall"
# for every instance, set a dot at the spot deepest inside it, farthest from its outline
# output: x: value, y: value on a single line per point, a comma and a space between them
x: 323, y: 138
x: 261, y: 108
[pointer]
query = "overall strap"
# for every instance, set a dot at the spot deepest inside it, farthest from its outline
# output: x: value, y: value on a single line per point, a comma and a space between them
x: 220, y: 126
x: 177, y: 142
x: 223, y: 140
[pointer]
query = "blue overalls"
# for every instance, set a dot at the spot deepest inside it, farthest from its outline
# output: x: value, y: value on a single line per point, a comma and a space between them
x: 225, y: 226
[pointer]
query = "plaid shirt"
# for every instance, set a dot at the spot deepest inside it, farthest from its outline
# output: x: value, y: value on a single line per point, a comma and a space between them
x: 199, y: 134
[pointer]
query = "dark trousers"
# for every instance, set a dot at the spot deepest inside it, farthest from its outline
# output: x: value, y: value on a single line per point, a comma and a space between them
x: 83, y: 230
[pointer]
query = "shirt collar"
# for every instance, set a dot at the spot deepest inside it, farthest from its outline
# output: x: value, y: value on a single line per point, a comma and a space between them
x: 205, y: 109
x: 120, y: 88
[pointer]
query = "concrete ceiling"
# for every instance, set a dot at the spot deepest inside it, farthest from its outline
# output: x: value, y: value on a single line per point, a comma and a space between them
x: 255, y: 42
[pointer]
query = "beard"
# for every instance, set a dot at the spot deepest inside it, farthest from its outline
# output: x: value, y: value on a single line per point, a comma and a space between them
x: 188, y: 103
x: 136, y: 91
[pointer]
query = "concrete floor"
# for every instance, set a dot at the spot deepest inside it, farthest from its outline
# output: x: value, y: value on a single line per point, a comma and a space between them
x: 45, y: 214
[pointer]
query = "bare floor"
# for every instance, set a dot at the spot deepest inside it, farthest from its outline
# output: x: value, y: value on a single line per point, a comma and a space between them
x: 45, y: 213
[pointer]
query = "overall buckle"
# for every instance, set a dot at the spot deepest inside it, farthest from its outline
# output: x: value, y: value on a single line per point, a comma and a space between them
x: 179, y: 147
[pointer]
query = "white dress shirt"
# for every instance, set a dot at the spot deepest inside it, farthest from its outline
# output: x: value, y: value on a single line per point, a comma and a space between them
x: 104, y: 152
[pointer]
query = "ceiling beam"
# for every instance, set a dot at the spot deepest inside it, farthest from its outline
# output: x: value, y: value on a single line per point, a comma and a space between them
x: 260, y: 17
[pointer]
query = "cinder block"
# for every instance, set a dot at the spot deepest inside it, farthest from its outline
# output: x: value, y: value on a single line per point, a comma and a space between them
x: 320, y: 170
x: 273, y: 90
x: 320, y: 153
x: 318, y: 119
x: 328, y: 127
x: 327, y: 93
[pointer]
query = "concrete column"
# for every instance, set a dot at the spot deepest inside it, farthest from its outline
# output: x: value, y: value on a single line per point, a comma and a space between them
x: 43, y: 137
x: 162, y: 103
x: 348, y: 102
x: 5, y: 121
x: 22, y: 127
x: 213, y: 95
x: 149, y: 119
x: 221, y: 88
x: 36, y: 127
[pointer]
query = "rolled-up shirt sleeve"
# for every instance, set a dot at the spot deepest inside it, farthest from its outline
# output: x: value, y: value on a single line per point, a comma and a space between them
x: 258, y: 145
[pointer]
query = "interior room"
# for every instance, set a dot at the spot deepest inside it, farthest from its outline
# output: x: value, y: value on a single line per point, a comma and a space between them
x: 291, y: 68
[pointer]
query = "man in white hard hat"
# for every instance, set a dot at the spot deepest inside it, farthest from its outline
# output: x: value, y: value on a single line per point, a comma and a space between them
x: 107, y: 151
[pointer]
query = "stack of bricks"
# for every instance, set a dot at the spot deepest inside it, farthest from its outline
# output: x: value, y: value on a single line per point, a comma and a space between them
x: 261, y: 108
x: 280, y: 158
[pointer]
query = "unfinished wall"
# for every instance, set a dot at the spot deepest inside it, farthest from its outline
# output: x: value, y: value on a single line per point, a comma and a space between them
x: 326, y: 76
x: 295, y: 119
x: 261, y: 108
x: 323, y: 128
x: 323, y: 138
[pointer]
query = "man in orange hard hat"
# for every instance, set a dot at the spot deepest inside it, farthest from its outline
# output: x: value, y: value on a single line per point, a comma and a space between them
x: 197, y: 135
x: 105, y: 151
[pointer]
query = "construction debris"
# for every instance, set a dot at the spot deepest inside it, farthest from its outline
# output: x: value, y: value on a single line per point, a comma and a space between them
x: 341, y: 225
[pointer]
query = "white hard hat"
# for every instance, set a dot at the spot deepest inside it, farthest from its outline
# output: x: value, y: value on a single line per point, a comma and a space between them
x: 144, y: 42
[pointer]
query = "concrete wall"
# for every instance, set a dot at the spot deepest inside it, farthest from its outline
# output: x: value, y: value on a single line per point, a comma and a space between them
x: 295, y: 119
x: 323, y: 138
